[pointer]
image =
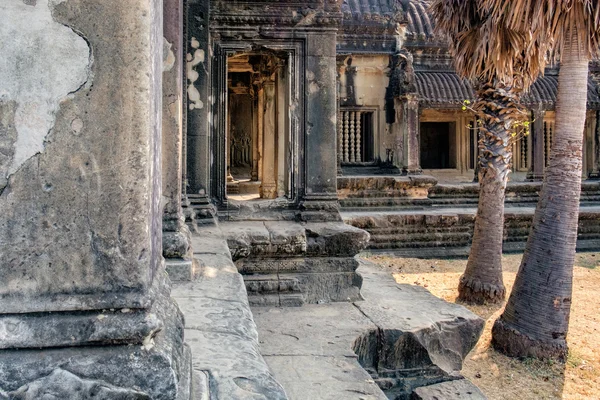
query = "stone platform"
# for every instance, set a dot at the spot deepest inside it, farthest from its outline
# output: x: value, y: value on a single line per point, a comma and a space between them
x: 398, y: 339
x: 289, y: 263
x: 418, y: 217
x: 447, y: 232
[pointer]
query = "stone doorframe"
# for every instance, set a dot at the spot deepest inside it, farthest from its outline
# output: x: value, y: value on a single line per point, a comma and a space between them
x: 294, y: 47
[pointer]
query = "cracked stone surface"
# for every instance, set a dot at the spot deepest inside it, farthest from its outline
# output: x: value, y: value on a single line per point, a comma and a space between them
x: 80, y: 220
x: 36, y: 86
x: 398, y: 331
x: 63, y: 384
x: 220, y: 328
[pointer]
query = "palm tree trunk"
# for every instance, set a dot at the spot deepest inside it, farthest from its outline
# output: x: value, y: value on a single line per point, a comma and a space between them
x: 536, y: 319
x: 482, y: 281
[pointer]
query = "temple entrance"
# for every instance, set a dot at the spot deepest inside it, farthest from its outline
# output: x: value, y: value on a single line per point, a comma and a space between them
x: 257, y: 127
x: 438, y: 145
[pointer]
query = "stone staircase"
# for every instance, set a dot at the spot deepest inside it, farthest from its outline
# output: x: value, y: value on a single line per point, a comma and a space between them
x: 415, y: 216
x: 448, y: 232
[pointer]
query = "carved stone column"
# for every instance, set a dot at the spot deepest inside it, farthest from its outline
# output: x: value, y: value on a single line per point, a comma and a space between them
x: 536, y: 169
x: 198, y: 82
x: 268, y: 187
x: 255, y: 133
x: 176, y: 235
x: 84, y: 299
x: 595, y: 173
x: 412, y: 140
x: 320, y: 200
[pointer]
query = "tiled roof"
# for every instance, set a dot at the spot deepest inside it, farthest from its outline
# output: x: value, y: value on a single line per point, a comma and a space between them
x: 448, y: 89
x: 420, y: 25
x: 367, y: 8
x: 442, y: 88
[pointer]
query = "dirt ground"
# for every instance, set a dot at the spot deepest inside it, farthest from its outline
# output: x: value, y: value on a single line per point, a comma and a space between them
x: 501, y: 377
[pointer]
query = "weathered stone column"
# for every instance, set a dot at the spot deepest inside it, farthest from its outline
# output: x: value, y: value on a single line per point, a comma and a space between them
x: 176, y: 235
x: 595, y: 174
x: 320, y: 199
x: 268, y: 187
x: 536, y: 169
x: 84, y: 301
x: 198, y: 83
x: 412, y: 144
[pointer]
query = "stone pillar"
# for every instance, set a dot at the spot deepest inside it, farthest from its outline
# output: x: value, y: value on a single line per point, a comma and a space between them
x: 176, y: 235
x: 595, y: 173
x: 410, y: 127
x: 282, y: 129
x: 536, y: 168
x: 255, y: 134
x: 320, y: 198
x: 84, y: 300
x: 198, y: 136
x: 268, y: 187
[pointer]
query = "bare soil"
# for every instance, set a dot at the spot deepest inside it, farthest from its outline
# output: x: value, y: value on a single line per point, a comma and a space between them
x: 501, y: 377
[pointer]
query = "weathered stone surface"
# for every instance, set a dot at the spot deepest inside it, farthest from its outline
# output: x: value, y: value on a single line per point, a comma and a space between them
x: 156, y: 367
x: 61, y: 384
x: 221, y: 331
x: 82, y: 184
x: 297, y: 262
x: 181, y: 270
x: 425, y: 344
x: 398, y: 336
x: 461, y: 389
x: 310, y: 351
x: 176, y: 244
x: 18, y: 331
x: 335, y: 239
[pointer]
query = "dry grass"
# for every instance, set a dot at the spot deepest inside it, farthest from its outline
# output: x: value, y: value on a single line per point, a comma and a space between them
x: 501, y: 377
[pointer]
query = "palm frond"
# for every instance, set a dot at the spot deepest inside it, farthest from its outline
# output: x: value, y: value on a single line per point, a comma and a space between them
x: 485, y: 45
x: 552, y: 20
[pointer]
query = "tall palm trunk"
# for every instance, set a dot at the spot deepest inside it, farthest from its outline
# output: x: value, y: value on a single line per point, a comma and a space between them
x: 482, y: 280
x: 536, y: 319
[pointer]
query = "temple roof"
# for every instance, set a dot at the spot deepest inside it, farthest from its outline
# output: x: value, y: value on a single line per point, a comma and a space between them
x: 438, y: 89
x: 369, y: 7
x: 420, y: 25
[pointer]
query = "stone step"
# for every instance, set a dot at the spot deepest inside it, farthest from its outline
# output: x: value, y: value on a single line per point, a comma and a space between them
x: 453, y: 228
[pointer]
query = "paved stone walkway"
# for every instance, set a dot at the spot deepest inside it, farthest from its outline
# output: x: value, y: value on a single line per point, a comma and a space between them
x: 416, y: 336
x: 399, y: 338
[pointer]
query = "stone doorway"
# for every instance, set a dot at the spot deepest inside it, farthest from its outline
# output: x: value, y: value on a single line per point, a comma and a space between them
x: 258, y: 126
x: 438, y: 145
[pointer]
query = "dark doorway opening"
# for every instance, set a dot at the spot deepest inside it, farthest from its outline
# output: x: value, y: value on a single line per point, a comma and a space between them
x: 438, y: 145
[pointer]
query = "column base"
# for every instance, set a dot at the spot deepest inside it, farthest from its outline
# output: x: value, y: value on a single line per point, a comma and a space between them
x: 204, y: 211
x: 268, y: 191
x: 412, y: 171
x: 320, y: 207
x: 155, y: 367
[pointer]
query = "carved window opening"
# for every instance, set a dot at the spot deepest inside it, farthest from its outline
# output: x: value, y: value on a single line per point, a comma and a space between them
x: 356, y: 135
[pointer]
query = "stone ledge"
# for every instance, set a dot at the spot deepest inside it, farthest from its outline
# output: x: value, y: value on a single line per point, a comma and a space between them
x: 461, y: 389
x: 412, y: 346
x: 220, y: 328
